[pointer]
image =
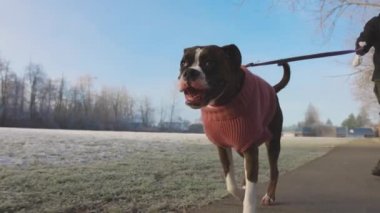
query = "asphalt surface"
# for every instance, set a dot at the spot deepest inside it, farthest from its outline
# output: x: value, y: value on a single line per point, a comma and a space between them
x: 340, y: 181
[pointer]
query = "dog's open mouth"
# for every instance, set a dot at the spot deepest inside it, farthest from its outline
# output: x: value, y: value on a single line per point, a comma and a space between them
x: 193, y: 96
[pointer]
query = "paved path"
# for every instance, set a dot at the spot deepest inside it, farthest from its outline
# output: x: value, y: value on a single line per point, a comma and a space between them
x: 340, y: 181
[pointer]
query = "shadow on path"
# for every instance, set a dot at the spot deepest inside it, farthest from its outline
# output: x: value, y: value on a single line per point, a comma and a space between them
x: 340, y: 181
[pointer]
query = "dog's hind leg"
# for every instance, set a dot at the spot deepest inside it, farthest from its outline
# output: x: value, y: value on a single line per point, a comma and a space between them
x: 273, y: 149
x: 225, y: 155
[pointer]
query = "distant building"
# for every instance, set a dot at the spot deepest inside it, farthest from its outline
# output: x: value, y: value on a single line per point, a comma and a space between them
x: 305, y: 132
x: 319, y: 130
x: 341, y: 132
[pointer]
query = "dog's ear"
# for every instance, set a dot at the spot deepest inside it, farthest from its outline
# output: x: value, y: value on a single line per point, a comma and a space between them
x: 186, y: 50
x: 233, y: 53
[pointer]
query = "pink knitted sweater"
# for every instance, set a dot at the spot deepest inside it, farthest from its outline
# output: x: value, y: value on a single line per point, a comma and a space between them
x: 244, y: 121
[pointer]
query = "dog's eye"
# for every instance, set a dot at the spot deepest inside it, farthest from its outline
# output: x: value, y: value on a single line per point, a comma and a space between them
x: 209, y: 63
x: 184, y: 63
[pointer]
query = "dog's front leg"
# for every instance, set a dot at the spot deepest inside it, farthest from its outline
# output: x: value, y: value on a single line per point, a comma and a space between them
x: 225, y: 155
x: 251, y: 168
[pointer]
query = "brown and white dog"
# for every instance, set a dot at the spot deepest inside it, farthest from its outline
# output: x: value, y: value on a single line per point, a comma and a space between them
x: 239, y: 110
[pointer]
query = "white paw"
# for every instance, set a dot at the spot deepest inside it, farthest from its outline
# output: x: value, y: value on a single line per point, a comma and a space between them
x: 249, y: 209
x: 249, y: 203
x: 267, y: 201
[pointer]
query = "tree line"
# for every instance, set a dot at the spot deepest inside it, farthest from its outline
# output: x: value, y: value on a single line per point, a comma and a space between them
x: 316, y: 127
x: 312, y: 118
x: 35, y: 100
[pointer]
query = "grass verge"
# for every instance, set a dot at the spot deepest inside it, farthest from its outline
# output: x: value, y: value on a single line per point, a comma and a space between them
x: 147, y: 180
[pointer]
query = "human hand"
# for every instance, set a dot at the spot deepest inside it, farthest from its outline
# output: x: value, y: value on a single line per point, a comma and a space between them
x: 360, y: 50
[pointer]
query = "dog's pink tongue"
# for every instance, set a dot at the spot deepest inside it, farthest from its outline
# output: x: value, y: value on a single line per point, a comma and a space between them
x: 193, y: 99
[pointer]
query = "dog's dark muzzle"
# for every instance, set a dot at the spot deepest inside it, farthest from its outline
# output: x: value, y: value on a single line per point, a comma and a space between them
x: 191, y: 74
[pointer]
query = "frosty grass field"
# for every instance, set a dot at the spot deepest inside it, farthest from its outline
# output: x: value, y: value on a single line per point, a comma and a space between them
x: 87, y: 171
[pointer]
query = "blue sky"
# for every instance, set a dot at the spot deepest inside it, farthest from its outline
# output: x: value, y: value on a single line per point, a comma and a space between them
x: 138, y: 44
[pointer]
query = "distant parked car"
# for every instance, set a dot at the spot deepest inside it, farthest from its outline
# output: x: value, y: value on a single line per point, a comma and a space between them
x: 361, y: 132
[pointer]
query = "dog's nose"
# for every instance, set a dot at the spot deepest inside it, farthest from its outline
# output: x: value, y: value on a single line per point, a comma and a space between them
x: 191, y: 74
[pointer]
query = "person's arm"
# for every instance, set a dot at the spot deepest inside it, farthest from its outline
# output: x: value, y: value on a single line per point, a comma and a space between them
x: 366, y: 38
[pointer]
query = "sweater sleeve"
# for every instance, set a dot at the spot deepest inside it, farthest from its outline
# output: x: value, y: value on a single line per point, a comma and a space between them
x: 368, y: 35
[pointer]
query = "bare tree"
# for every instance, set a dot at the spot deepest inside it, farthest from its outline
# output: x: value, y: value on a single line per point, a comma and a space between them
x: 173, y: 106
x: 19, y: 97
x: 362, y: 88
x: 74, y: 108
x: 5, y: 90
x: 81, y: 103
x: 363, y: 118
x: 121, y: 103
x: 114, y: 108
x: 85, y: 84
x: 328, y: 12
x: 146, y: 112
x: 130, y: 109
x: 116, y: 101
x: 60, y: 105
x: 103, y: 108
x: 311, y: 116
x: 46, y: 100
x: 11, y: 92
x: 35, y: 76
x: 163, y: 112
x: 55, y: 103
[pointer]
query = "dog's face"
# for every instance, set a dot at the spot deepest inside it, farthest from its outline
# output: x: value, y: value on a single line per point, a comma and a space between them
x: 206, y: 72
